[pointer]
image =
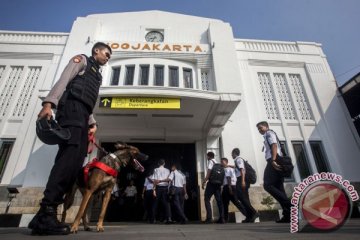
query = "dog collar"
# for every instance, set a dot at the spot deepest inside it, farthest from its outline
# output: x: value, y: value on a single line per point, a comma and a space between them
x: 112, y: 155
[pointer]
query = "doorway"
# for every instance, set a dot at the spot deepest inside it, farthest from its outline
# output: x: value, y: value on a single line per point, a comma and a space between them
x: 180, y: 153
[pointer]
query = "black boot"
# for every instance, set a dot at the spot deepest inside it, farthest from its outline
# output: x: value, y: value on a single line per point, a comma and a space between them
x: 45, y: 222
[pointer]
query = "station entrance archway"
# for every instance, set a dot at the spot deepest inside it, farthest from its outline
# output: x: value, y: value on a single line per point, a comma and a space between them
x: 181, y: 153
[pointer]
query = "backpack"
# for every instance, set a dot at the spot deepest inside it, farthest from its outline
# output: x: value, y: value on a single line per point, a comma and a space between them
x: 217, y: 174
x: 250, y: 173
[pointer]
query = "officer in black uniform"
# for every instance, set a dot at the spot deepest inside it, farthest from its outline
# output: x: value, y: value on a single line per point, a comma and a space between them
x: 74, y: 96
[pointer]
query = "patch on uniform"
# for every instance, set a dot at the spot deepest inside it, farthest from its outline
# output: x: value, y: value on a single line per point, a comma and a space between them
x: 77, y: 59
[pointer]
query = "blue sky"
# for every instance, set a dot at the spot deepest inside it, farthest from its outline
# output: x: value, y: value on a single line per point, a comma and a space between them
x: 334, y: 23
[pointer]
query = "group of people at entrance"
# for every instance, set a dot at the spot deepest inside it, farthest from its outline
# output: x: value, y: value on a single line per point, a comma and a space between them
x: 235, y: 188
x: 167, y: 190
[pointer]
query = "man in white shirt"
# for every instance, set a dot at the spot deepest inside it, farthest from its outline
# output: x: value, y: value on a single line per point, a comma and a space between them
x: 229, y: 190
x: 212, y: 189
x: 273, y: 181
x: 148, y: 196
x: 242, y: 187
x: 161, y: 175
x: 178, y: 180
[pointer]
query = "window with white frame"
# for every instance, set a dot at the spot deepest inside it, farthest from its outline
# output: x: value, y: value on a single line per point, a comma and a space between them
x: 301, y: 159
x: 153, y: 72
x: 115, y: 76
x: 159, y: 75
x: 268, y: 96
x: 144, y: 74
x: 2, y: 70
x: 302, y: 103
x: 6, y: 146
x: 319, y: 155
x: 27, y: 91
x: 173, y: 76
x: 129, y: 76
x: 205, y: 79
x: 290, y: 99
x: 8, y: 92
x: 282, y: 90
x: 188, y: 80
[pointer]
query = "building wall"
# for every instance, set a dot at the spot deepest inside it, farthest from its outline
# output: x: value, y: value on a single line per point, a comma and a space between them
x: 28, y: 63
x: 289, y: 84
x: 295, y: 72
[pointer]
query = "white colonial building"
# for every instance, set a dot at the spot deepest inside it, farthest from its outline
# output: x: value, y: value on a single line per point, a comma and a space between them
x: 176, y: 86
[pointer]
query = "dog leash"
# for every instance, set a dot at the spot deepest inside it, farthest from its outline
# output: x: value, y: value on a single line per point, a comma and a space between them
x: 92, y: 143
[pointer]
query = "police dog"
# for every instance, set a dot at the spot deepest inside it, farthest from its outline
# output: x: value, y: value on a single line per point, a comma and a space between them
x: 99, y: 180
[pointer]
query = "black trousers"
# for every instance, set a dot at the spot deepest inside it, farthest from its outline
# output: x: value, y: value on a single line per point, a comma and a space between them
x: 162, y: 196
x: 130, y: 208
x: 149, y: 201
x: 227, y: 197
x: 71, y: 154
x: 177, y: 204
x: 274, y: 184
x: 243, y: 196
x: 211, y: 190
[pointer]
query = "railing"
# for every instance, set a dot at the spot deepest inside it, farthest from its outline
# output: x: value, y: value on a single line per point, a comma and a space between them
x: 267, y: 46
x: 32, y: 37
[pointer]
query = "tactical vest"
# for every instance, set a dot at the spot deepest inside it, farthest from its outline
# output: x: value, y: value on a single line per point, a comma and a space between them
x: 85, y: 88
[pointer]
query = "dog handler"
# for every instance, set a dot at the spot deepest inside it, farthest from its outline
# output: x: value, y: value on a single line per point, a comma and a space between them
x: 74, y: 96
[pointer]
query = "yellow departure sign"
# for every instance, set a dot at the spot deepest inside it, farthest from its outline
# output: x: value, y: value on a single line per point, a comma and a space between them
x: 139, y: 103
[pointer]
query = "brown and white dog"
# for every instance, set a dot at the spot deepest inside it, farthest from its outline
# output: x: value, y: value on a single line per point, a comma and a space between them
x: 99, y: 180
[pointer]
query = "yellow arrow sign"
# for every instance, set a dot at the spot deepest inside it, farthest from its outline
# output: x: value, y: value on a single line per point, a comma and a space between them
x: 105, y: 101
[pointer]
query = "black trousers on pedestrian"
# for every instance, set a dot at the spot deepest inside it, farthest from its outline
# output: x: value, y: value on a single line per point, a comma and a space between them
x: 227, y: 197
x: 71, y: 154
x: 210, y: 190
x: 177, y: 204
x: 162, y: 196
x: 274, y: 184
x: 244, y: 198
x: 149, y: 201
x: 130, y: 208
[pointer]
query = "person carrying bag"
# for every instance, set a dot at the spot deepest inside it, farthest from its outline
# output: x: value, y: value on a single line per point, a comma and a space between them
x: 284, y: 161
x: 275, y: 169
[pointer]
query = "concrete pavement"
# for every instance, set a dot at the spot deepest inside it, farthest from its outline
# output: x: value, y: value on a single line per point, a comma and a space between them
x: 132, y: 231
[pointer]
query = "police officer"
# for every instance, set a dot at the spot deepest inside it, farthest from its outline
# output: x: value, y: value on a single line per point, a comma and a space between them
x: 74, y: 96
x: 273, y: 181
x: 178, y: 180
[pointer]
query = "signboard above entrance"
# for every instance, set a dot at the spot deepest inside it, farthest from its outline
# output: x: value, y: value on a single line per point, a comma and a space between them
x: 139, y: 103
x: 159, y: 47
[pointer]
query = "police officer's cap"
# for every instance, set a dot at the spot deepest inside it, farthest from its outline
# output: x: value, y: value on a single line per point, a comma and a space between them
x: 50, y: 132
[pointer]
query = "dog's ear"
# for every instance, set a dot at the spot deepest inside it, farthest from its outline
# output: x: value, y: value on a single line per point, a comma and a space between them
x: 120, y: 145
x: 134, y: 151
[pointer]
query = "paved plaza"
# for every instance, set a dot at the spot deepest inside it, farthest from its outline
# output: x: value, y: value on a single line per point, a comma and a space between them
x: 265, y: 230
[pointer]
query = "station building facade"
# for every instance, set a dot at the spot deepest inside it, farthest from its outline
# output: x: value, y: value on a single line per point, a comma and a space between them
x: 176, y: 86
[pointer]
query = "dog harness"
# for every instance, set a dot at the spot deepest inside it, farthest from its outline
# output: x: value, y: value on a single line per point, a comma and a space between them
x: 95, y: 163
